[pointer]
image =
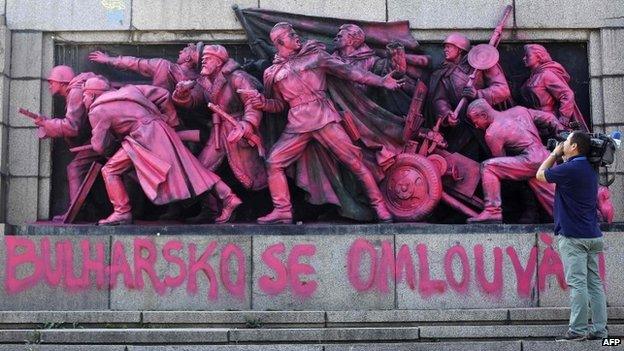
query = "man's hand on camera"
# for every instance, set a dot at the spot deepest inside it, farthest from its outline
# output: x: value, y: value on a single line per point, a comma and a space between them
x: 558, y: 151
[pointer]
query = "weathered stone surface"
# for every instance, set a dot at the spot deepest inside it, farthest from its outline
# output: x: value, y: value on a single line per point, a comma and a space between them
x: 25, y: 94
x: 596, y: 99
x: 60, y: 15
x: 614, y: 258
x: 26, y: 54
x: 568, y: 14
x: 43, y: 206
x: 554, y: 292
x: 234, y: 317
x: 446, y: 14
x: 328, y: 256
x: 589, y: 345
x: 454, y: 290
x: 228, y: 348
x: 45, y: 157
x: 23, y: 152
x: 612, y: 49
x: 184, y: 296
x: 491, y: 331
x: 86, y: 317
x: 22, y: 200
x: 175, y: 14
x: 432, y: 346
x: 66, y: 293
x: 415, y: 316
x: 21, y: 336
x: 323, y: 334
x: 541, y: 314
x: 617, y: 196
x: 613, y: 95
x: 5, y: 50
x: 39, y: 347
x: 4, y: 155
x: 5, y: 84
x: 135, y: 336
x: 374, y: 10
x: 595, y: 54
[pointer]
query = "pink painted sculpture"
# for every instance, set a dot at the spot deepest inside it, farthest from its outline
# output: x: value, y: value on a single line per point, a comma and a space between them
x: 449, y: 84
x: 164, y: 74
x: 74, y: 127
x: 548, y: 89
x: 142, y: 118
x: 514, y: 132
x: 223, y: 83
x: 297, y: 80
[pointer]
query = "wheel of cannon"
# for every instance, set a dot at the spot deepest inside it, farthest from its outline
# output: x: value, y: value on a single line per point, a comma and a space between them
x: 412, y: 187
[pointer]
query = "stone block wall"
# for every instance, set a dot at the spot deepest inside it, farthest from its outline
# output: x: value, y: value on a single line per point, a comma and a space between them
x: 34, y: 26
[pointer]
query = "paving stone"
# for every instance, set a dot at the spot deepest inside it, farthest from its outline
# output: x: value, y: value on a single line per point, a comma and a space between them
x: 19, y: 336
x: 431, y: 346
x: 234, y: 317
x: 323, y: 334
x: 415, y: 316
x: 569, y: 14
x: 461, y: 285
x: 449, y: 14
x: 23, y: 152
x: 326, y: 284
x: 175, y: 14
x: 24, y: 94
x: 68, y: 15
x: 86, y: 317
x: 491, y: 331
x: 181, y: 294
x: 374, y: 10
x: 21, y: 200
x: 42, y: 286
x: 134, y: 336
x: 26, y: 54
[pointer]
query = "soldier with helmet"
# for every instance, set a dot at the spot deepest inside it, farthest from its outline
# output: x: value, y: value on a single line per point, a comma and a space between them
x: 220, y: 82
x: 448, y: 86
x: 74, y: 127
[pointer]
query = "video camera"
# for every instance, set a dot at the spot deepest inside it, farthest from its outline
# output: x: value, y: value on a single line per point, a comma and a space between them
x: 601, y: 150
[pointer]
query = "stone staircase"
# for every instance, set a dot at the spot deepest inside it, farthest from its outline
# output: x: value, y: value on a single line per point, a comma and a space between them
x: 517, y: 329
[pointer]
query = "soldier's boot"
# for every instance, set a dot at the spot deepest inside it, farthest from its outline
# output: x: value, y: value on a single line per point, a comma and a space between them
x: 493, y: 212
x: 489, y: 215
x: 118, y: 196
x: 282, y: 212
x: 208, y: 212
x: 229, y: 199
x: 376, y: 199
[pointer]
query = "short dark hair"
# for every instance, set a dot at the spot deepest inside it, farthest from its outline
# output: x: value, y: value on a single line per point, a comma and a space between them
x: 582, y: 141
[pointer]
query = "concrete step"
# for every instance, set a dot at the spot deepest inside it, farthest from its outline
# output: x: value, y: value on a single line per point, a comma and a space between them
x: 413, y: 346
x: 290, y: 319
x: 286, y: 335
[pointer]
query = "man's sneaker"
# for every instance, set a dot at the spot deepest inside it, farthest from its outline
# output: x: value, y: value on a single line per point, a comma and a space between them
x: 572, y: 336
x: 592, y: 336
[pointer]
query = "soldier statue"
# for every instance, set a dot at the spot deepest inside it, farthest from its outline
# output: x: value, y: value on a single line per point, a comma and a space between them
x: 448, y: 85
x: 514, y: 141
x: 219, y: 84
x: 142, y: 118
x: 297, y: 81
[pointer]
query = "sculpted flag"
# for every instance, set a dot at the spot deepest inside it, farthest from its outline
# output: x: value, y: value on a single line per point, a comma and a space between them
x: 317, y: 171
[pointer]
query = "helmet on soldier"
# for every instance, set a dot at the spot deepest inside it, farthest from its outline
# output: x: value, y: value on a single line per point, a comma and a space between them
x: 62, y: 74
x: 458, y: 40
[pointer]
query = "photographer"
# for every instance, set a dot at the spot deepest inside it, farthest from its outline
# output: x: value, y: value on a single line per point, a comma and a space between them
x: 579, y: 237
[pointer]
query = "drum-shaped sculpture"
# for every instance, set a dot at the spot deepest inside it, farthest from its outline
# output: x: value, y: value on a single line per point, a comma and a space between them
x: 412, y: 187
